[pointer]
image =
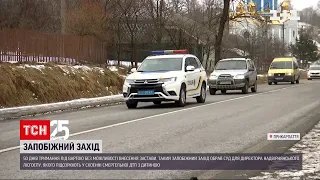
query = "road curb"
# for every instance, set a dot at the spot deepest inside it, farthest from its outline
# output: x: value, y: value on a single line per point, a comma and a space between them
x: 16, y: 112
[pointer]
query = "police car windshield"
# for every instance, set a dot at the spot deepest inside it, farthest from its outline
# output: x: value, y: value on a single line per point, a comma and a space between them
x: 281, y: 65
x: 161, y: 64
x: 315, y: 68
x: 231, y: 65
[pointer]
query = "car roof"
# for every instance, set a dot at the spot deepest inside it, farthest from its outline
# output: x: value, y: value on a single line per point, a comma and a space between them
x: 284, y: 59
x: 169, y: 56
x: 239, y: 59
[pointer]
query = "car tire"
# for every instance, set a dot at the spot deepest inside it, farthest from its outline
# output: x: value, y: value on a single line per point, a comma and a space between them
x: 132, y: 104
x: 275, y: 82
x: 203, y: 94
x: 270, y: 83
x: 298, y: 81
x: 255, y: 87
x: 182, y: 97
x: 309, y: 79
x: 156, y: 102
x: 224, y: 91
x: 212, y: 91
x: 245, y: 88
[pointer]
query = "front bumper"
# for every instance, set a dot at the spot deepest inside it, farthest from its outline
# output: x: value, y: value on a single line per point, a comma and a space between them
x: 235, y: 84
x: 162, y: 92
x: 285, y: 78
x: 313, y: 76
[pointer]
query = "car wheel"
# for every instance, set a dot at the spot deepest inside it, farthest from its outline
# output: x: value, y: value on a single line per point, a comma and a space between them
x: 255, y: 87
x: 275, y: 82
x: 245, y: 88
x: 309, y: 79
x: 212, y: 91
x: 156, y: 102
x: 182, y: 97
x: 203, y: 94
x: 224, y: 91
x: 132, y: 104
x: 270, y: 83
x: 298, y: 81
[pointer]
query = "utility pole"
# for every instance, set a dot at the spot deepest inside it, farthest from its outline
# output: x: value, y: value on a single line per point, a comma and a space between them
x: 63, y: 16
x: 283, y: 47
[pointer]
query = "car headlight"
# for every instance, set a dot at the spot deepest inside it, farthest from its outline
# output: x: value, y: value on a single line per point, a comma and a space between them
x: 168, y: 80
x: 270, y: 74
x: 239, y: 76
x: 289, y: 74
x: 212, y: 76
x: 129, y: 81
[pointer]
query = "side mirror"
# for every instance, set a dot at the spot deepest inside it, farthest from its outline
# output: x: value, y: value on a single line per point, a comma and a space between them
x: 133, y: 70
x: 190, y: 68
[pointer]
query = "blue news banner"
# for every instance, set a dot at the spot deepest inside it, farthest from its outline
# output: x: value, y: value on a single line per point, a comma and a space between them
x: 163, y: 161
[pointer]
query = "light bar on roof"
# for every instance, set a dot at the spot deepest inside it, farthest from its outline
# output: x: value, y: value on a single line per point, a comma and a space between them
x: 165, y: 52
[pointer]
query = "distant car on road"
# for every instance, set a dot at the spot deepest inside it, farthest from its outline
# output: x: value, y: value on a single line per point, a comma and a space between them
x: 284, y: 69
x: 314, y: 72
x: 233, y: 74
x: 168, y: 75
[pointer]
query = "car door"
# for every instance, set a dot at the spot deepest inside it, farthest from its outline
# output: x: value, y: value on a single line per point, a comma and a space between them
x: 296, y: 70
x: 254, y: 72
x: 191, y: 75
x: 250, y: 72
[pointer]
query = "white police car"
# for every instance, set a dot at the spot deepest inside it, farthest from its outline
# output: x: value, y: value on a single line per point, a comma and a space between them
x: 168, y: 75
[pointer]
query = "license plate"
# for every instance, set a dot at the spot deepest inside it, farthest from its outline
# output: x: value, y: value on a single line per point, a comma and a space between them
x: 279, y: 78
x: 146, y: 92
x: 225, y: 82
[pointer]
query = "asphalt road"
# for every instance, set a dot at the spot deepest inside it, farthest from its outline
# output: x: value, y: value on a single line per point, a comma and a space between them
x: 225, y: 123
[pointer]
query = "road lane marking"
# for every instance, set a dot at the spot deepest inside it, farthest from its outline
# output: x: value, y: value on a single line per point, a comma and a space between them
x: 162, y: 114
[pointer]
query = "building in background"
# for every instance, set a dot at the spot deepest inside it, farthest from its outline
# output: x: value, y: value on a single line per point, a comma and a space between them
x: 287, y: 32
x: 263, y: 5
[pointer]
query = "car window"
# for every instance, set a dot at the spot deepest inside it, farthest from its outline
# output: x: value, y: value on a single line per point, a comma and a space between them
x: 161, y: 64
x: 187, y: 63
x: 194, y: 62
x: 231, y: 65
x: 199, y: 63
x: 314, y: 68
x: 253, y: 66
x: 281, y: 65
x: 190, y: 61
x: 250, y: 64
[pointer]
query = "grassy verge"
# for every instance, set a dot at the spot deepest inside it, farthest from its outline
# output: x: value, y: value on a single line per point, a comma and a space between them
x: 29, y: 84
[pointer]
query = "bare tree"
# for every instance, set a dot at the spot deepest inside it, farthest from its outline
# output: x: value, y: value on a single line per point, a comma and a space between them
x: 223, y: 20
x: 40, y: 15
x: 88, y: 19
x: 131, y: 12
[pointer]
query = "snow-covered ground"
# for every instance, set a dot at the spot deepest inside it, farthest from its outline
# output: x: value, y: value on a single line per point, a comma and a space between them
x: 310, y: 147
x: 68, y: 69
x: 59, y: 106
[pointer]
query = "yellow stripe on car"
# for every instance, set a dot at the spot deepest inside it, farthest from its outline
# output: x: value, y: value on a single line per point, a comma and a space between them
x: 198, y: 87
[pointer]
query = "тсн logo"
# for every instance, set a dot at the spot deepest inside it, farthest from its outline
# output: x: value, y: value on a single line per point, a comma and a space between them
x: 41, y: 129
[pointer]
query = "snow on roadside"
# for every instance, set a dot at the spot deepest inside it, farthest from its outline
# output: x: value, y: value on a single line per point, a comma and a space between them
x: 113, y: 68
x: 310, y: 147
x: 32, y: 110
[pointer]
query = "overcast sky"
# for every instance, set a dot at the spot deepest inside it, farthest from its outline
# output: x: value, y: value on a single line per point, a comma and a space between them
x: 301, y: 4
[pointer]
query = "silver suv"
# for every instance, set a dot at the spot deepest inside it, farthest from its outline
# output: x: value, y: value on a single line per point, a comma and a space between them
x: 233, y: 74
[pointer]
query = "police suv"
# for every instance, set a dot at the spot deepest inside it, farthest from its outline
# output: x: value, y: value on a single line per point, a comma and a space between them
x: 167, y: 75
